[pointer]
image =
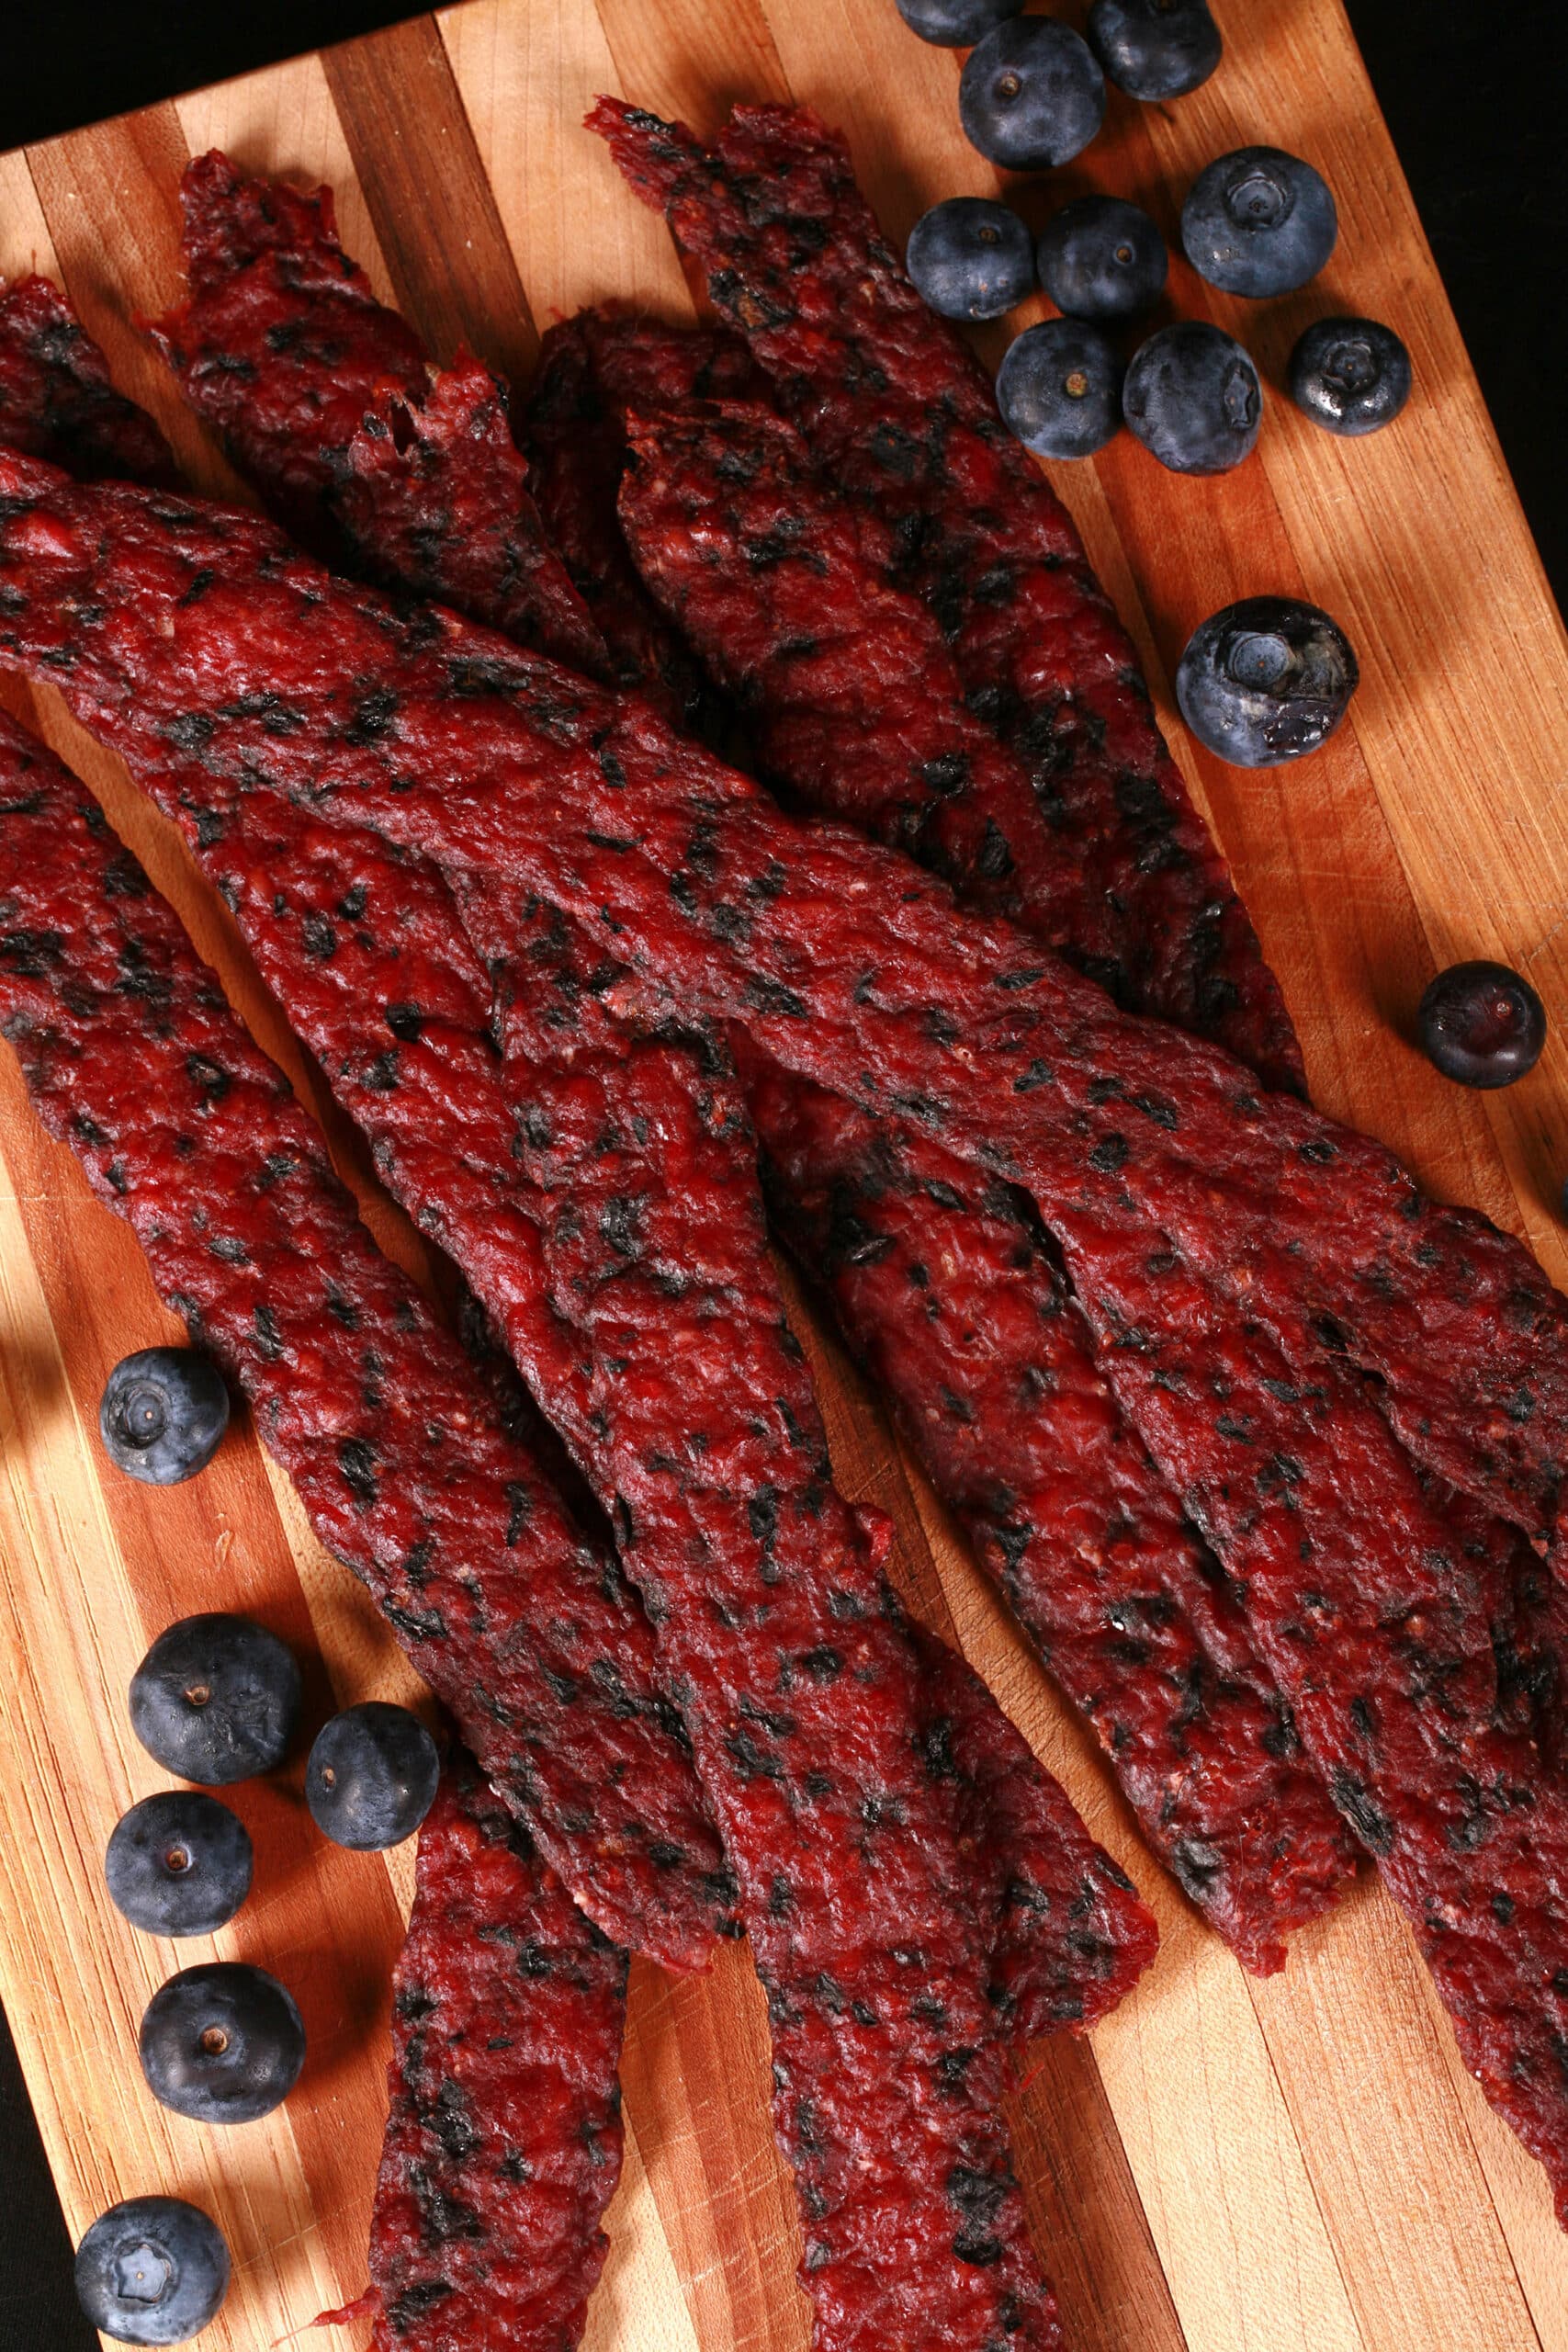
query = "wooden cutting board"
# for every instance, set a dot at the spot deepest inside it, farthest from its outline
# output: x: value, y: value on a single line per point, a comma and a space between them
x: 1299, y: 2166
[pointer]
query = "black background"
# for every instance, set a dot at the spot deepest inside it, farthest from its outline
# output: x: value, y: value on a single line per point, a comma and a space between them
x: 1474, y: 92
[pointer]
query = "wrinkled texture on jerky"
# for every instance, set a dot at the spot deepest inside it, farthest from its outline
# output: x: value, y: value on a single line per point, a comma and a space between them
x: 591, y: 368
x: 946, y: 1290
x: 324, y: 401
x: 510, y: 1613
x: 504, y: 2133
x: 899, y: 413
x: 56, y: 399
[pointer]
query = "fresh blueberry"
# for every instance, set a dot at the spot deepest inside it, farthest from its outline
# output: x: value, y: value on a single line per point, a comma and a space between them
x: 221, y: 2043
x: 153, y: 2270
x: 178, y: 1864
x: 1030, y: 94
x: 956, y: 24
x: 1194, y: 398
x: 1265, y: 681
x: 1351, y: 376
x: 1482, y: 1025
x: 371, y: 1778
x: 163, y: 1414
x: 1259, y: 221
x: 1155, y: 49
x: 971, y: 259
x: 216, y: 1698
x: 1101, y: 258
x: 1059, y: 388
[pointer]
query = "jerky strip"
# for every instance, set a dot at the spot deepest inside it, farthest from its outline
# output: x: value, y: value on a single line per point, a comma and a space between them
x: 504, y: 2137
x: 282, y: 347
x: 838, y: 958
x: 899, y: 415
x: 56, y: 399
x: 522, y: 1623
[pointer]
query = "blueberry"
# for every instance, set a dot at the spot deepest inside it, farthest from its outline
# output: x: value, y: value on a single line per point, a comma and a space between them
x: 1482, y: 1025
x: 221, y: 2043
x: 1030, y: 94
x: 178, y: 1864
x: 1351, y: 376
x: 371, y: 1778
x: 956, y: 24
x: 1266, y: 681
x: 153, y: 2270
x: 1194, y: 398
x: 1259, y: 221
x: 970, y: 259
x: 1100, y: 258
x: 1059, y: 388
x: 216, y: 1698
x: 163, y: 1414
x: 1155, y: 49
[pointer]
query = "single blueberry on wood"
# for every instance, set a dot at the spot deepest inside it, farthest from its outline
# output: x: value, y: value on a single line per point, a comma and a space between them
x: 970, y: 258
x: 1059, y: 388
x: 1031, y: 95
x: 1155, y: 49
x: 1194, y: 399
x: 371, y: 1778
x: 163, y: 1414
x: 1265, y: 681
x: 178, y: 1864
x: 1101, y: 258
x: 221, y: 2043
x: 1258, y: 223
x: 1351, y: 376
x: 1482, y: 1025
x: 956, y: 24
x: 153, y: 2270
x: 216, y: 1698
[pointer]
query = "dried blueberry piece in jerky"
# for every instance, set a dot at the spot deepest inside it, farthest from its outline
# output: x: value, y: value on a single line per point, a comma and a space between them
x: 591, y: 367
x: 502, y: 2145
x: 56, y: 399
x: 133, y: 1057
x: 324, y: 401
x: 899, y: 413
x: 945, y: 1289
x: 842, y: 961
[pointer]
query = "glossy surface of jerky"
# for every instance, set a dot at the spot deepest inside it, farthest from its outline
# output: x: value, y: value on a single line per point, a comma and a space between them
x: 837, y: 957
x: 946, y: 1290
x: 503, y: 2135
x: 56, y: 399
x: 898, y: 412
x: 511, y: 1613
x: 591, y: 367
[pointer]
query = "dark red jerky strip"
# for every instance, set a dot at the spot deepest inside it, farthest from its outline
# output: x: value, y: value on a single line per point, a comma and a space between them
x: 1205, y: 1753
x: 572, y: 429
x: 839, y: 958
x: 56, y: 399
x: 801, y: 1687
x: 849, y: 692
x: 503, y: 2135
x: 132, y: 1057
x: 945, y: 1289
x: 899, y: 413
x: 1382, y: 1629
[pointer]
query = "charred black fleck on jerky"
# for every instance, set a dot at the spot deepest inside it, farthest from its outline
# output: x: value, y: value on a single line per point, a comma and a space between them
x: 56, y: 399
x: 899, y: 415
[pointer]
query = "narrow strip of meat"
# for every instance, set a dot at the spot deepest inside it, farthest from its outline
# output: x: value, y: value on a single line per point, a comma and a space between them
x: 156, y: 618
x: 1138, y: 1141
x: 56, y: 399
x: 504, y: 2134
x: 590, y: 367
x: 282, y: 347
x: 522, y: 1623
x: 899, y: 413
